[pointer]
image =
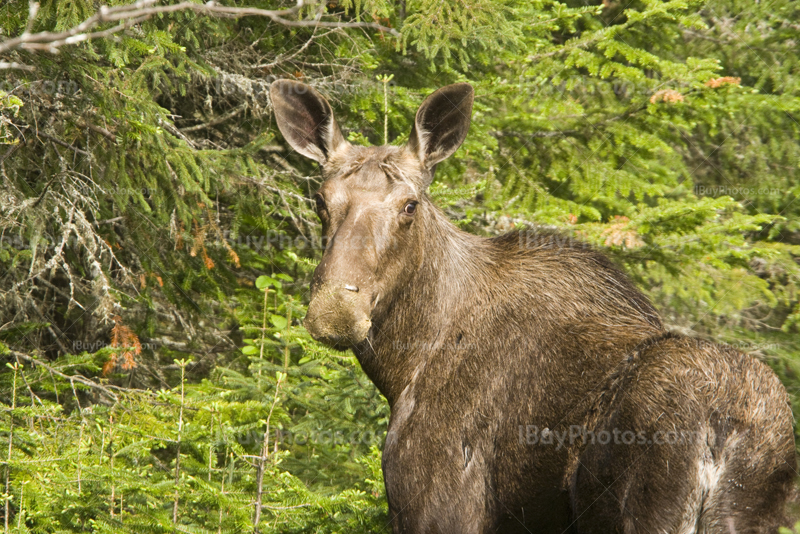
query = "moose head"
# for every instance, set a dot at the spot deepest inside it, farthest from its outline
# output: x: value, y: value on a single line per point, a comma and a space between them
x: 372, y: 203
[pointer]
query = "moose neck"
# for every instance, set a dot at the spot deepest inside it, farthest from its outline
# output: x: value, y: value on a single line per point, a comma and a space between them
x: 414, y: 323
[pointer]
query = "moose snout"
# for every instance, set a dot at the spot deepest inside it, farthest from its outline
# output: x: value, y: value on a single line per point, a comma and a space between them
x: 338, y: 315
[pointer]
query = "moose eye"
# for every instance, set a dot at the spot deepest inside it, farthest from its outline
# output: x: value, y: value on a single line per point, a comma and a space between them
x: 320, y: 203
x: 410, y: 208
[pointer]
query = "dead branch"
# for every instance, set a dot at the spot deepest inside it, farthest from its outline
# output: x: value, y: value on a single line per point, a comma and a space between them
x: 534, y: 135
x: 177, y: 133
x: 282, y: 58
x: 15, y: 65
x: 62, y: 143
x: 139, y: 11
x: 219, y: 346
x: 102, y: 131
x: 72, y: 378
x: 216, y: 121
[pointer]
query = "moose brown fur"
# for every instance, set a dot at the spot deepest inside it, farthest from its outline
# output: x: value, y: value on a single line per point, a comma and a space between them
x: 507, y: 362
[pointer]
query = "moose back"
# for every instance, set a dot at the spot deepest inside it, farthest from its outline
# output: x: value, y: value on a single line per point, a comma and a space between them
x: 532, y: 387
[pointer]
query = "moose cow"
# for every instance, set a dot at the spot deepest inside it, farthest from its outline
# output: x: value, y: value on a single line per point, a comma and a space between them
x: 532, y: 387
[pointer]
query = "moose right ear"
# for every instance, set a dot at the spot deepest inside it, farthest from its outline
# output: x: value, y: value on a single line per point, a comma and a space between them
x: 441, y: 124
x: 305, y: 119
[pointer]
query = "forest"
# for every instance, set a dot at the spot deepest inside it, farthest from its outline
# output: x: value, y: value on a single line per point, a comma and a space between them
x: 158, y: 236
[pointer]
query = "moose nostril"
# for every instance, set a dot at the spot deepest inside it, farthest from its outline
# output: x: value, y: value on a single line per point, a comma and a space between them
x: 351, y: 288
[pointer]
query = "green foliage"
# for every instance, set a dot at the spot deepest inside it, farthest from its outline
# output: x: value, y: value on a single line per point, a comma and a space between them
x: 8, y: 104
x: 122, y: 464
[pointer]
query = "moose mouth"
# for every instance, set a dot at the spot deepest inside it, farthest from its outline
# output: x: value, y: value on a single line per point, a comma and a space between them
x: 338, y: 316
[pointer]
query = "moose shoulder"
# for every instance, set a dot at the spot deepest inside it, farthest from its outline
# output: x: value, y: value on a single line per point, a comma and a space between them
x: 532, y: 386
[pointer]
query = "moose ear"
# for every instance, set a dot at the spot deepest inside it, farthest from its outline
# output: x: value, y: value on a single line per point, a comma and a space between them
x: 305, y: 119
x: 442, y: 123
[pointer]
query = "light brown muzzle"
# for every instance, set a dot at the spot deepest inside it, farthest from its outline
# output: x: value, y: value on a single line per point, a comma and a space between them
x: 338, y: 315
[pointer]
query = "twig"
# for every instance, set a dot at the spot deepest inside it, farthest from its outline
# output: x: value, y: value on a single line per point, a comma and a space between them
x: 62, y: 143
x: 182, y: 364
x: 101, y: 131
x: 263, y: 458
x: 13, y: 149
x: 281, y: 58
x: 385, y: 79
x: 107, y: 221
x: 58, y: 290
x: 143, y: 9
x: 533, y: 135
x: 215, y: 121
x: 15, y: 65
x: 77, y: 378
x: 174, y: 131
x: 10, y: 442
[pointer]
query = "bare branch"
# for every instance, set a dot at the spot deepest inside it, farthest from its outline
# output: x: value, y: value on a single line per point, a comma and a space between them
x: 15, y: 65
x: 72, y: 378
x: 62, y: 143
x: 216, y: 121
x: 174, y: 131
x: 282, y: 58
x: 533, y: 135
x: 131, y: 14
x: 101, y: 131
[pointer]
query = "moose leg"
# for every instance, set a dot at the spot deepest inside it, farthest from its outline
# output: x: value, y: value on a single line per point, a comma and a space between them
x: 447, y: 494
x: 746, y: 482
x: 463, y: 514
x: 726, y: 483
x: 635, y: 487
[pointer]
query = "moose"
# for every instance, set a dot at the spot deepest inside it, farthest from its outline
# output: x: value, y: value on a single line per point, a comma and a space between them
x: 532, y: 386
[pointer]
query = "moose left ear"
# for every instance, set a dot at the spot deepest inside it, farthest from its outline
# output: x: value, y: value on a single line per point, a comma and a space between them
x: 441, y: 124
x: 306, y: 120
